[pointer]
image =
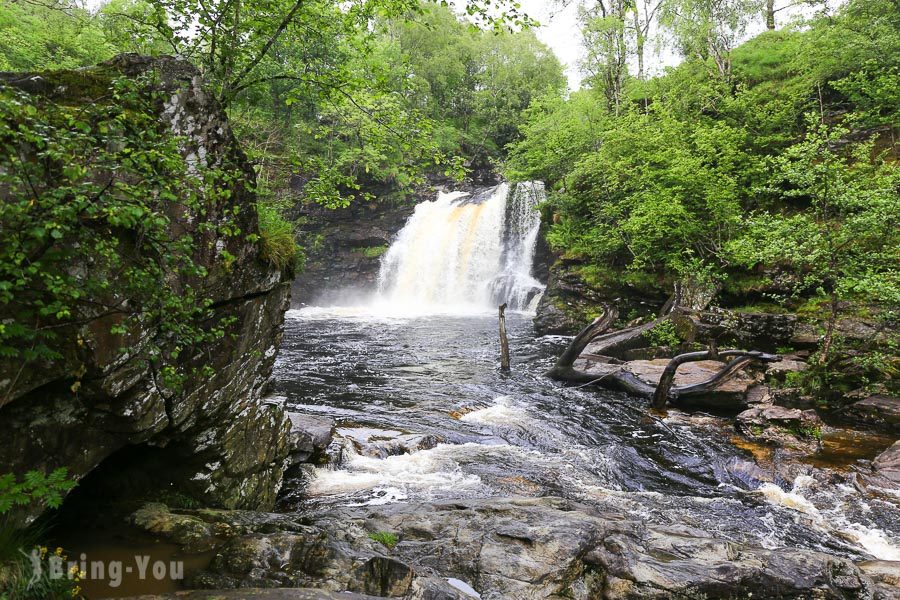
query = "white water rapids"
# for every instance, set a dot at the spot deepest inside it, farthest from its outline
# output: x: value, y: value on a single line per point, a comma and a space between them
x: 464, y: 251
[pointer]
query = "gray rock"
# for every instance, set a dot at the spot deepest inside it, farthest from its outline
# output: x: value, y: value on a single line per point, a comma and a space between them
x: 888, y: 462
x: 213, y: 438
x: 886, y: 575
x: 309, y: 437
x: 381, y: 443
x: 746, y: 330
x: 523, y: 549
x: 779, y: 370
x: 255, y: 594
x: 789, y: 428
x: 881, y: 413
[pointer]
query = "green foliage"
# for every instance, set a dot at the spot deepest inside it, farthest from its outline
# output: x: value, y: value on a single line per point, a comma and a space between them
x: 35, y: 487
x: 843, y: 241
x: 385, y: 538
x: 277, y: 238
x: 35, y: 36
x: 17, y: 577
x: 664, y: 334
x: 88, y: 193
x: 374, y: 251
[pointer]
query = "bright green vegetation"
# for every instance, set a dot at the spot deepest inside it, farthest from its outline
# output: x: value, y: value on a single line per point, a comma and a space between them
x: 329, y: 99
x: 768, y: 169
x: 15, y: 567
x: 276, y: 236
x: 34, y: 487
x: 664, y: 334
x: 385, y: 538
x: 373, y: 251
x: 346, y: 97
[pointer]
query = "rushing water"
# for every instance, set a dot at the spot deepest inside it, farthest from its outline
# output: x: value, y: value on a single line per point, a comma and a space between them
x: 421, y: 360
x: 522, y: 434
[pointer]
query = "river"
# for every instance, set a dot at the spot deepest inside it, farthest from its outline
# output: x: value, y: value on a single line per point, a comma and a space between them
x: 380, y: 373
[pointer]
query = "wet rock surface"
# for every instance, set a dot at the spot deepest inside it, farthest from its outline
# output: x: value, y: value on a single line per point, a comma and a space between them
x: 570, y: 301
x: 309, y: 437
x: 790, y: 428
x: 519, y: 548
x: 381, y: 443
x: 886, y: 575
x: 255, y: 594
x: 879, y: 412
x: 886, y: 468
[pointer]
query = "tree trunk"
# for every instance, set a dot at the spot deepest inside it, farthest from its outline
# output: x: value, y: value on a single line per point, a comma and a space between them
x: 770, y: 15
x: 504, y: 342
x: 639, y: 43
x: 829, y: 330
x: 579, y: 343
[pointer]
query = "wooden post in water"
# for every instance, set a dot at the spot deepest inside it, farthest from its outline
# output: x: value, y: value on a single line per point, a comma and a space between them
x: 504, y: 342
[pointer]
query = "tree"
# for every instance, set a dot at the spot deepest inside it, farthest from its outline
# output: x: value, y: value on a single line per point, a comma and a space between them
x: 606, y: 61
x: 708, y: 29
x: 843, y: 244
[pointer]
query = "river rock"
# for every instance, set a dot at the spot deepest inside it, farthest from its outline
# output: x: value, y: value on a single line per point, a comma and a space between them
x: 309, y: 437
x: 886, y: 575
x: 571, y: 300
x: 738, y: 329
x: 521, y: 548
x: 255, y: 594
x: 779, y: 370
x: 381, y: 443
x: 879, y: 412
x: 790, y: 428
x: 214, y: 438
x: 887, y: 465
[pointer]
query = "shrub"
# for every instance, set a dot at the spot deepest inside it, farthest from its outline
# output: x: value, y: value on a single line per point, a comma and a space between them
x: 277, y: 238
x: 664, y: 334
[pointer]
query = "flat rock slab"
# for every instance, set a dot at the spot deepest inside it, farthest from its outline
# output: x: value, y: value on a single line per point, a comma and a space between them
x: 878, y: 412
x: 255, y: 594
x: 689, y: 373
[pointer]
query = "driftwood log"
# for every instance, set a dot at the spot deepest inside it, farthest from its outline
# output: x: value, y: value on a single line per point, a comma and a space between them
x: 664, y: 391
x: 504, y: 340
x: 613, y: 373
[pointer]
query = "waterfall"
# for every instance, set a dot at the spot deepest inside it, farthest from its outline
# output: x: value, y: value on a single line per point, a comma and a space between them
x: 466, y: 250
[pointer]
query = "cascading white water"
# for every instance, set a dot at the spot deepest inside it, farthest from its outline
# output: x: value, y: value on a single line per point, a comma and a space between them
x: 515, y: 283
x: 466, y: 250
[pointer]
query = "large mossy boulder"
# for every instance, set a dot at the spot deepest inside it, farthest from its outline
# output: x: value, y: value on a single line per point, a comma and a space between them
x: 112, y: 382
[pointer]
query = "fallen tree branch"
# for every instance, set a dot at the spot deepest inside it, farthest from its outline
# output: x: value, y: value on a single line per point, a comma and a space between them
x: 586, y: 335
x: 664, y: 391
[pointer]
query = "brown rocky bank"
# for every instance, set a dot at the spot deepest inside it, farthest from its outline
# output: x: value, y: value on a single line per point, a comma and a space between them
x: 214, y: 439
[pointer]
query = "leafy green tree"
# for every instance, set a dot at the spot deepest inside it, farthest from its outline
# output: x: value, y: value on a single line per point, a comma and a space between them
x: 708, y: 29
x: 36, y: 36
x: 837, y: 233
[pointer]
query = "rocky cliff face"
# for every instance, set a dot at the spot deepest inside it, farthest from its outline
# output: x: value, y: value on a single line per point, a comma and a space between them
x: 214, y: 438
x: 344, y: 247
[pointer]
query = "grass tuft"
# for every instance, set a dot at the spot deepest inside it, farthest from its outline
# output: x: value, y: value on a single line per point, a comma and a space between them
x: 276, y: 234
x: 385, y: 538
